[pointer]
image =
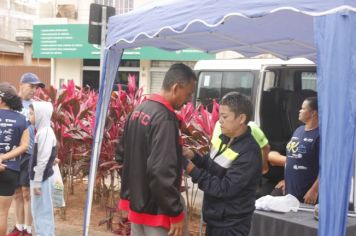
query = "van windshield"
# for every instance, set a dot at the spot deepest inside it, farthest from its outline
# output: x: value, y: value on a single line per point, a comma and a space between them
x: 215, y: 84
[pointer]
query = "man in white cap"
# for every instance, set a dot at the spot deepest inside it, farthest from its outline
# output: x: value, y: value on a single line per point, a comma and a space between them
x: 29, y: 83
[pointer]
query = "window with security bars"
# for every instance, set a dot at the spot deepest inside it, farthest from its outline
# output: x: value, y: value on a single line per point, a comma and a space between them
x: 110, y: 3
x: 124, y: 6
x: 308, y: 80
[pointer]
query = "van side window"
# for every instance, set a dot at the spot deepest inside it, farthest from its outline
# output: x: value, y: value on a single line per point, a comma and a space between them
x: 308, y: 80
x: 215, y: 84
x: 238, y: 81
x: 209, y: 87
x: 269, y: 81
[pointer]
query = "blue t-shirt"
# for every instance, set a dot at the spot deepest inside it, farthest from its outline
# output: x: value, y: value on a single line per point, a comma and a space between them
x: 12, y: 126
x: 302, y: 164
x: 31, y: 129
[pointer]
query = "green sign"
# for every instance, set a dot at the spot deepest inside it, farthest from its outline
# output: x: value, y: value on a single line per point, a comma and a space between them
x: 149, y: 53
x: 63, y: 41
x: 71, y: 41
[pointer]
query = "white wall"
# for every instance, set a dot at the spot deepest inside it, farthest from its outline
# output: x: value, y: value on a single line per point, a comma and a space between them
x: 145, y: 75
x: 46, y: 10
x: 139, y: 3
x: 64, y: 70
x: 228, y: 55
x: 83, y: 11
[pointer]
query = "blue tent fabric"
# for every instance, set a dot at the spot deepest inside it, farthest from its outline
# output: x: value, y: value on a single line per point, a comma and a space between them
x: 284, y: 28
x: 174, y: 25
x: 111, y: 63
x: 335, y: 38
x: 250, y: 37
x: 178, y: 14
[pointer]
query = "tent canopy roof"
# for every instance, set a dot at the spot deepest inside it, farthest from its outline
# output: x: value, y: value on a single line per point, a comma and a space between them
x: 285, y: 30
x: 174, y: 25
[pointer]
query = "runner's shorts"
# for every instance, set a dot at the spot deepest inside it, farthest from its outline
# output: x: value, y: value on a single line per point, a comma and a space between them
x: 24, y: 178
x: 8, y: 182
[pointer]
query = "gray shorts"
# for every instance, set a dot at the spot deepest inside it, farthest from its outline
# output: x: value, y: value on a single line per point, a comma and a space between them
x: 144, y: 230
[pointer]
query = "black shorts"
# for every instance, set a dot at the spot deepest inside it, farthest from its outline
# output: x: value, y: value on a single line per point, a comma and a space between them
x: 8, y: 182
x: 24, y: 178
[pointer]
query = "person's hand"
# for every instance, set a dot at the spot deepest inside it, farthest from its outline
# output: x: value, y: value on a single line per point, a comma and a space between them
x: 37, y: 191
x: 274, y: 153
x: 176, y: 229
x: 189, y: 167
x: 56, y: 161
x: 2, y: 166
x: 123, y: 217
x: 282, y: 185
x: 187, y: 153
x: 311, y: 196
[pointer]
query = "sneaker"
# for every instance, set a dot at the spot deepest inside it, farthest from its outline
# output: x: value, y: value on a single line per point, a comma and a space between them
x: 15, y: 232
x: 25, y: 233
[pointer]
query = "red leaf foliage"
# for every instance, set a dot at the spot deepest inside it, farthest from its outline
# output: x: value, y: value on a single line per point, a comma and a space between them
x: 74, y: 118
x: 73, y: 121
x: 198, y: 126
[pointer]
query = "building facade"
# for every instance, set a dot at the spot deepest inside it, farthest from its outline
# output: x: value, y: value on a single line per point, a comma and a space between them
x: 73, y: 58
x: 16, y: 20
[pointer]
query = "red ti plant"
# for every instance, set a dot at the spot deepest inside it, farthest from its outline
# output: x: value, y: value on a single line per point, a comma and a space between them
x: 73, y: 110
x: 207, y: 120
x: 197, y: 130
x: 73, y: 123
x: 121, y: 105
x: 73, y: 114
x: 198, y: 126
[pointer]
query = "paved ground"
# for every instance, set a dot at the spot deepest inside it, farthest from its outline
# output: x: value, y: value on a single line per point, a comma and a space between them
x: 67, y: 229
x: 62, y: 229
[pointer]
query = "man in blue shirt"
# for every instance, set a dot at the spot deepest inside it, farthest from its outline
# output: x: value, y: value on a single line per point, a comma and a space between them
x: 302, y: 160
x: 28, y: 85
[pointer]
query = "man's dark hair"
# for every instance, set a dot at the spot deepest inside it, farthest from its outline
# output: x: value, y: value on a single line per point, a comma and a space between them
x: 178, y: 73
x: 313, y: 103
x: 238, y: 104
x: 9, y: 96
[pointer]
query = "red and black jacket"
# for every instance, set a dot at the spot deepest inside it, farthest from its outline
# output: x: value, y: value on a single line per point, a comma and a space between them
x: 152, y: 165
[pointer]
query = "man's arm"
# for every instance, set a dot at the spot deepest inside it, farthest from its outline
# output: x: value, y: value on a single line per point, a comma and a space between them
x: 276, y: 159
x: 236, y: 178
x: 199, y: 161
x: 24, y: 142
x: 281, y: 185
x: 46, y: 142
x: 265, y: 150
x: 124, y: 204
x: 119, y: 152
x: 163, y: 167
x: 312, y: 195
x: 262, y: 142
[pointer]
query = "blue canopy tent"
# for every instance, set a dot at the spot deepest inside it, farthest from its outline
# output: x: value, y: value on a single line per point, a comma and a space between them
x: 321, y: 30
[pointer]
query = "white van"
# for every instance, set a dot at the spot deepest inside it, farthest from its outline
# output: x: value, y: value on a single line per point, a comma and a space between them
x: 276, y: 87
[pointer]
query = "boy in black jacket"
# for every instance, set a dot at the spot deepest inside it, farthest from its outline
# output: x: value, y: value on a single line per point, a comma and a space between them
x: 229, y: 175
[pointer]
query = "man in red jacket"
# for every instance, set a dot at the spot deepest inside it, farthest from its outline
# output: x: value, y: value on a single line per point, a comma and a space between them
x: 152, y: 162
